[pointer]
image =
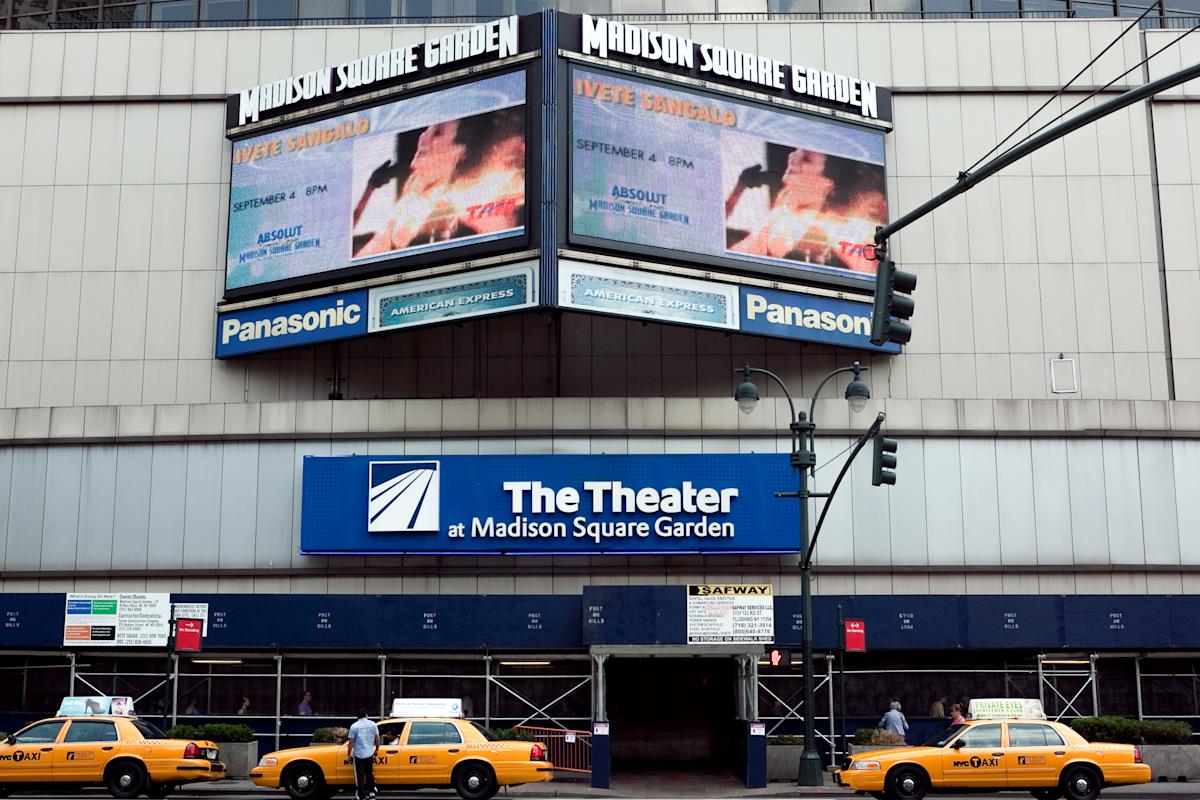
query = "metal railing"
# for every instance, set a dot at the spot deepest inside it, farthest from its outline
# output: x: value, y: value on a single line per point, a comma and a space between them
x: 567, y: 750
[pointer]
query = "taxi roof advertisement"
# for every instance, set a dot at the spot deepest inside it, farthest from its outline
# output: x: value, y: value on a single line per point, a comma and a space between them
x: 542, y: 504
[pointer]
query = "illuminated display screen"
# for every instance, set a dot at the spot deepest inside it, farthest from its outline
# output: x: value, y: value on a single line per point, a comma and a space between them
x: 661, y: 168
x: 440, y: 170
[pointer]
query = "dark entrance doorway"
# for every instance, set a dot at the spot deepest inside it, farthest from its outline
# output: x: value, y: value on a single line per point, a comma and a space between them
x: 670, y: 713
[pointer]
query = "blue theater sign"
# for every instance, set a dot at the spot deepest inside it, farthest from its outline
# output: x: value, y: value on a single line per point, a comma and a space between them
x: 541, y: 504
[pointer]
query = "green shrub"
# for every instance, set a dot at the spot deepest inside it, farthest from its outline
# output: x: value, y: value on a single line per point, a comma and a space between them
x: 863, y: 735
x: 1166, y: 731
x: 1109, y: 729
x: 225, y: 732
x: 877, y: 736
x: 330, y: 735
x: 182, y: 731
x: 782, y: 740
x: 512, y: 734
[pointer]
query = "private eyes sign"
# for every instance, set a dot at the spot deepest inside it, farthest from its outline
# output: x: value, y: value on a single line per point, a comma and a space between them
x: 547, y: 504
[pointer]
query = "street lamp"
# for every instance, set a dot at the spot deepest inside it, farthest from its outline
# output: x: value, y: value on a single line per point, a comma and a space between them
x: 804, y: 459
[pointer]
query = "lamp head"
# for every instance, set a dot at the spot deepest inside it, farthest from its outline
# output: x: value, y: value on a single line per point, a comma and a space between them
x: 747, y: 393
x: 857, y: 392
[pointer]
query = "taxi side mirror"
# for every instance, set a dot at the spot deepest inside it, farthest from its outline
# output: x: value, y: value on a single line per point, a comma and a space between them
x: 10, y: 739
x: 958, y: 745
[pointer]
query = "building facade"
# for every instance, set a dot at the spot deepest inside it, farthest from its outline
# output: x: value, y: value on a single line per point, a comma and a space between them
x: 1040, y: 539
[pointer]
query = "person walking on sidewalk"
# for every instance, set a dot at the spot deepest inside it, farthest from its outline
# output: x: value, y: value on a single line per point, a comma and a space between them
x: 894, y: 721
x: 361, y: 744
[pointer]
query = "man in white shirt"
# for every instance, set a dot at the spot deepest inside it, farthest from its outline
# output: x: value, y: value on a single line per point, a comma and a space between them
x: 361, y: 744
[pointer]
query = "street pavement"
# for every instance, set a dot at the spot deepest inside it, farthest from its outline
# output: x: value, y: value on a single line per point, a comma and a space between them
x: 661, y: 786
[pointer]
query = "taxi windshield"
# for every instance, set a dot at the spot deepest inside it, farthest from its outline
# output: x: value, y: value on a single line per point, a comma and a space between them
x: 491, y: 737
x: 944, y: 737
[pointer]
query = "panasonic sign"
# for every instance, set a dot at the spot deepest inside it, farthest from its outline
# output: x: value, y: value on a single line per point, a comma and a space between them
x: 809, y: 318
x: 301, y: 322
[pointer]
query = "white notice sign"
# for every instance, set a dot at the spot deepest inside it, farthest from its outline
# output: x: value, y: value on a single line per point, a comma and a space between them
x: 730, y: 614
x: 192, y: 611
x: 117, y: 620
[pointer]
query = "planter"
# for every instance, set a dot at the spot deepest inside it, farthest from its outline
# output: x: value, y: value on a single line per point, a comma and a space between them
x: 783, y: 761
x: 239, y: 758
x: 855, y: 749
x: 1172, y: 761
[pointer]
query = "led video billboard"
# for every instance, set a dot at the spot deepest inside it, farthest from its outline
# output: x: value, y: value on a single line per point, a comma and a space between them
x: 414, y: 176
x: 661, y: 170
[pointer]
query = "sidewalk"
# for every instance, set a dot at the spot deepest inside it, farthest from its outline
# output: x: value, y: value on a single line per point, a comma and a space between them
x: 675, y: 784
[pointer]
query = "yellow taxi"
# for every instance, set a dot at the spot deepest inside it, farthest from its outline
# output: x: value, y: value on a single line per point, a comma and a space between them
x: 127, y: 755
x: 1046, y: 758
x: 427, y: 752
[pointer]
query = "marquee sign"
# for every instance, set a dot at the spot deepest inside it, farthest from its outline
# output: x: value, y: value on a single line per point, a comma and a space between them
x: 547, y: 504
x: 429, y: 182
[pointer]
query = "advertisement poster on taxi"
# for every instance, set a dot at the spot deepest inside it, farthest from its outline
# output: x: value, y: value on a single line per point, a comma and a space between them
x: 656, y: 166
x: 434, y: 171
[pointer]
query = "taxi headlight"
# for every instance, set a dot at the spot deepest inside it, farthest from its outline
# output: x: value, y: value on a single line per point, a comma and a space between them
x: 268, y: 761
x: 864, y: 765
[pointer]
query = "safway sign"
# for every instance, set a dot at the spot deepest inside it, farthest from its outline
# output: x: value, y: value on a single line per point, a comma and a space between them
x: 547, y: 504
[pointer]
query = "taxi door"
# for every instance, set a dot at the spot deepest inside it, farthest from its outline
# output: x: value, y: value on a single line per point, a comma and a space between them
x: 975, y: 759
x: 387, y: 760
x: 430, y: 752
x: 29, y: 758
x: 84, y: 751
x: 1035, y: 755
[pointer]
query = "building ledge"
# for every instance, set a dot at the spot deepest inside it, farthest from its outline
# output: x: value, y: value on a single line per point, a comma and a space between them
x: 587, y: 417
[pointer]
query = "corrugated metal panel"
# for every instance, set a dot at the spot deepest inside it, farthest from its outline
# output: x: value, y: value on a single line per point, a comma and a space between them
x: 23, y: 551
x: 168, y: 497
x: 1052, y: 501
x: 273, y: 544
x: 943, y: 502
x: 1089, y: 514
x: 6, y: 465
x: 202, y: 506
x: 131, y: 519
x: 1018, y: 526
x: 837, y: 544
x: 907, y: 504
x: 1125, y: 541
x: 1187, y: 499
x: 1159, y: 520
x: 980, y: 500
x: 98, y: 497
x: 60, y: 521
x: 239, y: 498
x: 871, y: 509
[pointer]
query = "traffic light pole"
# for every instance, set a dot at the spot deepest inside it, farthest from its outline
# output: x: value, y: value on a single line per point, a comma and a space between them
x: 968, y: 179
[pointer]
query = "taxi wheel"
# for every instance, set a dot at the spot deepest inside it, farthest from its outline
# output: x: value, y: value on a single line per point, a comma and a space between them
x: 125, y: 779
x: 907, y: 783
x: 304, y: 782
x: 1080, y: 783
x: 475, y: 782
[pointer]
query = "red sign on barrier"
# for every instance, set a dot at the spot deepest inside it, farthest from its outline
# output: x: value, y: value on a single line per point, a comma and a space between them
x: 188, y: 634
x: 856, y: 636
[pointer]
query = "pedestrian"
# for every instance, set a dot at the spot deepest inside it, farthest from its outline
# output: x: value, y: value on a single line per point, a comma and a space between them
x: 361, y: 744
x: 245, y: 707
x: 191, y: 709
x: 894, y: 721
x: 304, y: 709
x: 956, y: 715
x: 938, y: 709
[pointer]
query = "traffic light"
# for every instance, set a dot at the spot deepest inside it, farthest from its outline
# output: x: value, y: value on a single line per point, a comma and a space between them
x: 884, y: 466
x: 892, y: 303
x: 781, y: 658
